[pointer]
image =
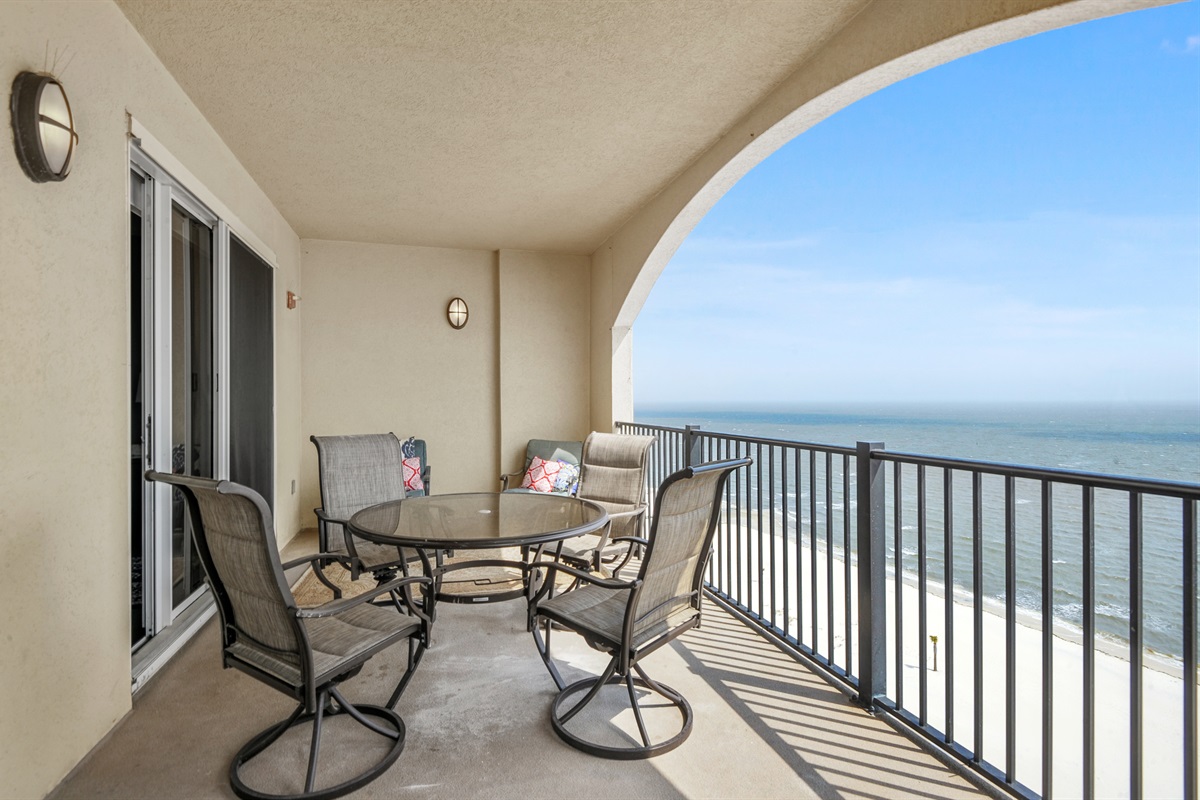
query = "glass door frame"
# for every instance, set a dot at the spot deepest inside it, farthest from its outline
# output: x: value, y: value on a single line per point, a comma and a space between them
x: 163, y: 193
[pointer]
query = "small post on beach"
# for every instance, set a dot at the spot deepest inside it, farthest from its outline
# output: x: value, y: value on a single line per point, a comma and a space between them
x: 872, y: 565
x: 933, y: 638
x: 692, y: 453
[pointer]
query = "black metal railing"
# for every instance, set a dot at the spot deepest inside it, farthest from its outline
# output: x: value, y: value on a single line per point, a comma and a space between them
x: 869, y: 564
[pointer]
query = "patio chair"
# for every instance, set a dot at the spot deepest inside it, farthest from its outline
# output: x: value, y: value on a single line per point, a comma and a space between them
x: 547, y: 450
x: 632, y: 619
x: 303, y: 652
x: 355, y: 472
x: 612, y: 475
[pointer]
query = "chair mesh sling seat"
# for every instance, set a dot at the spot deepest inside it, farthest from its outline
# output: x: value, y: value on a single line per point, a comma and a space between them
x: 355, y: 472
x: 631, y: 619
x: 302, y: 652
x: 613, y: 476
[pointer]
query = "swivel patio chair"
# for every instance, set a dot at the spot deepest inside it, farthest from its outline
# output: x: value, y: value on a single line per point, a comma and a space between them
x: 355, y: 472
x: 632, y: 619
x: 612, y: 475
x: 302, y: 652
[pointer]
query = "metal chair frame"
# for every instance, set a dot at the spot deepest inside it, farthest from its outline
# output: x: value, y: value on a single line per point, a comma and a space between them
x: 317, y: 699
x: 624, y: 665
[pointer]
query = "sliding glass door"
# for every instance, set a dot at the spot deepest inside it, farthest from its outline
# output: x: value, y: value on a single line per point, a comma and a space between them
x: 201, y: 405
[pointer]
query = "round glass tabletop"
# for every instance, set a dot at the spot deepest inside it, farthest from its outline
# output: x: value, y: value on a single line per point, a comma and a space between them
x: 482, y: 519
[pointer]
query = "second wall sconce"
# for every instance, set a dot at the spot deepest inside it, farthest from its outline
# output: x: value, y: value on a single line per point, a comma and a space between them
x: 457, y: 313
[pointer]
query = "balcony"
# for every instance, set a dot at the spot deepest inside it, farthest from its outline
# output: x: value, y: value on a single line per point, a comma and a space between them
x: 477, y: 719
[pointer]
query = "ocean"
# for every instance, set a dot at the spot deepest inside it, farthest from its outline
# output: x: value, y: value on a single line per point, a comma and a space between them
x: 1136, y: 440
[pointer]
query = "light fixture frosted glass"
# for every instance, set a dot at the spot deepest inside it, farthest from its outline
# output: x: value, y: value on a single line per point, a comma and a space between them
x: 43, y: 127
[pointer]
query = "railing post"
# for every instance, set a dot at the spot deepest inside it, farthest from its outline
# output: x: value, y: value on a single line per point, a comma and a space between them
x: 872, y: 568
x: 691, y: 446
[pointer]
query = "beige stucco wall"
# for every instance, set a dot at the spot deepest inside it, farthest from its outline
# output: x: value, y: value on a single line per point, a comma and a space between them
x: 378, y: 355
x: 887, y: 42
x: 544, y: 350
x: 65, y: 397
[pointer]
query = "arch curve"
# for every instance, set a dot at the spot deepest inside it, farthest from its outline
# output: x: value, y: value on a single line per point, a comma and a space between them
x: 884, y: 44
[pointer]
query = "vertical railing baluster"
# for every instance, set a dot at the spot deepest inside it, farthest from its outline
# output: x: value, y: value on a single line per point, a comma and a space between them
x: 848, y: 577
x: 829, y: 553
x: 977, y: 607
x: 922, y: 602
x: 728, y: 524
x: 1191, y: 791
x: 948, y: 600
x: 748, y: 547
x: 1047, y: 640
x: 787, y: 588
x: 1010, y: 629
x: 898, y: 546
x: 1089, y: 641
x: 812, y: 552
x: 737, y: 544
x: 761, y: 573
x: 771, y: 519
x: 1135, y: 644
x: 799, y: 551
x: 872, y: 575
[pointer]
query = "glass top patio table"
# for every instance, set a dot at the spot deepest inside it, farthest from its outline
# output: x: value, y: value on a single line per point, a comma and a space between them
x: 478, y: 520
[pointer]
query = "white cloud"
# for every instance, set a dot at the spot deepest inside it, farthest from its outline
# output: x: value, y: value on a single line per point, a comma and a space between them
x: 852, y: 320
x: 1191, y: 44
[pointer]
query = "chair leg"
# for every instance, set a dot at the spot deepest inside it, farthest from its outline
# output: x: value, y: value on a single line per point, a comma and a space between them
x: 592, y: 686
x: 543, y: 648
x: 314, y: 749
x: 393, y: 729
x: 416, y: 651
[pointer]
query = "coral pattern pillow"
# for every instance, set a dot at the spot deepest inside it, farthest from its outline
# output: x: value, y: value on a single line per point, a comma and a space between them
x: 541, y: 475
x: 412, y: 476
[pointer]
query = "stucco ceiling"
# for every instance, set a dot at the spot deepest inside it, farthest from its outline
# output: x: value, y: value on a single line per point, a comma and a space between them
x: 527, y: 125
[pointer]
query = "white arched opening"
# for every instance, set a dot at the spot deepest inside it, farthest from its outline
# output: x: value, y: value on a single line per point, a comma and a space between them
x: 887, y: 42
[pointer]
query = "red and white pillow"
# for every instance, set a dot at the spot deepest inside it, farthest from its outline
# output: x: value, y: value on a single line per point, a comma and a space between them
x: 412, y: 476
x: 541, y: 475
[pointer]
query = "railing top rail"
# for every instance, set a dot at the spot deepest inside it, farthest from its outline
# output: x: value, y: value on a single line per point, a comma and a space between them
x: 741, y: 437
x: 1186, y: 491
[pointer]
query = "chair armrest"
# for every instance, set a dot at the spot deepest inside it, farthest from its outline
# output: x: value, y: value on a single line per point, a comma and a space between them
x: 607, y: 583
x: 635, y: 539
x: 508, y: 478
x: 321, y: 515
x: 631, y: 513
x: 326, y: 558
x: 335, y: 607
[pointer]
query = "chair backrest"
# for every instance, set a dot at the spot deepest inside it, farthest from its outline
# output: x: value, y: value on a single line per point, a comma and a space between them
x: 553, y: 450
x: 613, y: 469
x: 685, y: 520
x: 235, y: 538
x: 355, y: 472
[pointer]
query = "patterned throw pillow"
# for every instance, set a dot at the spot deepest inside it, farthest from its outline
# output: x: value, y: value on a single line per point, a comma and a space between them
x: 413, y: 485
x: 567, y: 481
x: 541, y: 475
x: 412, y: 476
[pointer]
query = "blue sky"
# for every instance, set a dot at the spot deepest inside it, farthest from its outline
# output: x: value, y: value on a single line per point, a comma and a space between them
x: 1021, y: 224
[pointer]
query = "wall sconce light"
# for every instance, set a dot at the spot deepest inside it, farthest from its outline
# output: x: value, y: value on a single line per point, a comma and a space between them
x: 292, y: 299
x: 457, y: 313
x: 43, y: 128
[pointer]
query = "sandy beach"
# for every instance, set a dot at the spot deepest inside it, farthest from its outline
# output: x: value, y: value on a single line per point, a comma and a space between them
x: 1162, y: 684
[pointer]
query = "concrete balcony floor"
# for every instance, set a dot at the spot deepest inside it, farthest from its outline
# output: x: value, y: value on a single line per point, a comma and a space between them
x: 477, y: 725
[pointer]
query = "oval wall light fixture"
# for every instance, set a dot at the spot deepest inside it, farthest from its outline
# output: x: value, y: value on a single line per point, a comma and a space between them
x: 43, y: 127
x: 457, y: 313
